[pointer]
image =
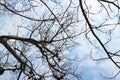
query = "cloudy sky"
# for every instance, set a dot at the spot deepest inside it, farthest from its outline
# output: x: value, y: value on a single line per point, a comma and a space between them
x: 92, y: 70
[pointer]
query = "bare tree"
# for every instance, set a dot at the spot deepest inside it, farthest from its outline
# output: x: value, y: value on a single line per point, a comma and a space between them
x: 51, y: 27
x: 105, y: 25
x: 49, y: 31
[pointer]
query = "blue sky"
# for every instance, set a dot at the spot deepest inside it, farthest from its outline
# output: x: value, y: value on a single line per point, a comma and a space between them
x: 91, y: 69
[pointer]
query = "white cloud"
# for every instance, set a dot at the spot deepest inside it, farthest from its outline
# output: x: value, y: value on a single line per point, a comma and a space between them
x: 8, y: 25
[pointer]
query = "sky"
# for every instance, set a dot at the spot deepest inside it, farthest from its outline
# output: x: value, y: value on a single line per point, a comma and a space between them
x: 92, y: 70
